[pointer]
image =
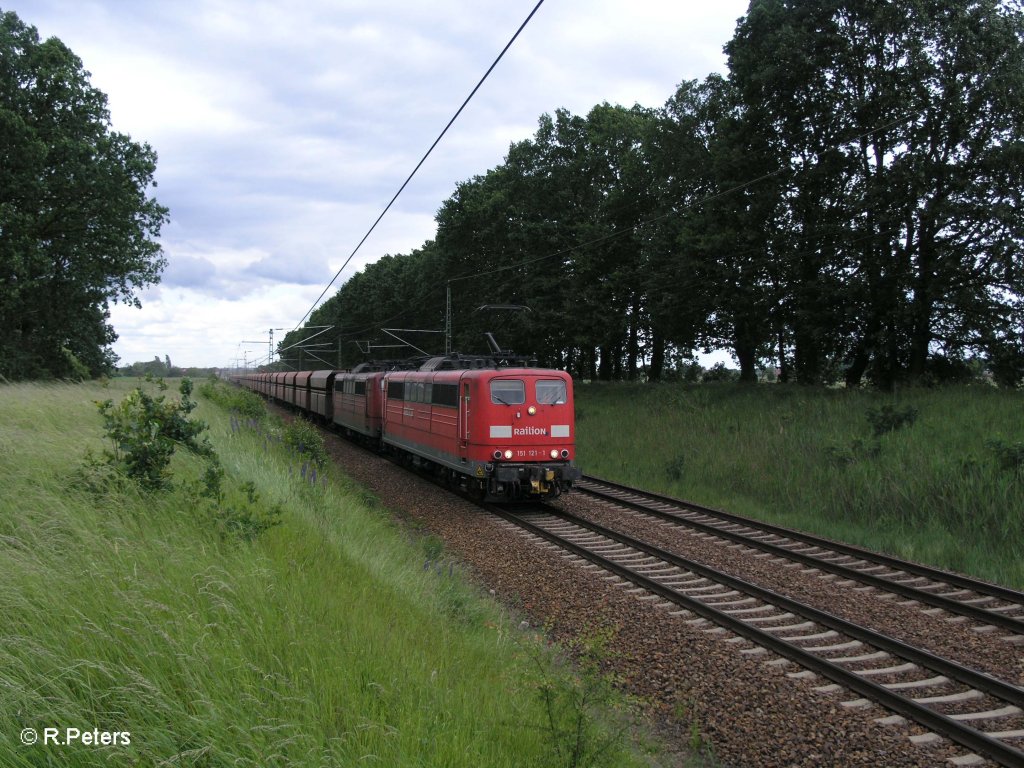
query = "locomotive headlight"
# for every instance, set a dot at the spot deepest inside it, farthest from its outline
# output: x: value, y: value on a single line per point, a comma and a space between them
x: 554, y: 453
x: 565, y: 454
x: 508, y: 454
x: 532, y: 410
x: 497, y: 454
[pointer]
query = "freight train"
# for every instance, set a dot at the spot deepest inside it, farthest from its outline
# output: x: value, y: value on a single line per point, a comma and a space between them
x: 503, y: 433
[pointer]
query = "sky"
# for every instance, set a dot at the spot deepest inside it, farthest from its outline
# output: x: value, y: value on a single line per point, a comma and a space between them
x: 283, y: 129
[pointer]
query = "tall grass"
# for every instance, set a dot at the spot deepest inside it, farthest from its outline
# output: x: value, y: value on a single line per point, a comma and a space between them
x: 937, y: 489
x: 332, y: 639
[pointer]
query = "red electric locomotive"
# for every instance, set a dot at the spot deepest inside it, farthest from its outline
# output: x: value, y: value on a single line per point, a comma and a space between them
x: 507, y: 433
x: 357, y: 405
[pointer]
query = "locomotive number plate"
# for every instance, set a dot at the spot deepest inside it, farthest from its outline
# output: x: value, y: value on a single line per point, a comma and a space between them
x: 529, y: 453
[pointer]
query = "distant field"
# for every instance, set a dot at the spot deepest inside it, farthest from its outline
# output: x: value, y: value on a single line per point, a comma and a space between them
x: 330, y: 639
x: 945, y: 487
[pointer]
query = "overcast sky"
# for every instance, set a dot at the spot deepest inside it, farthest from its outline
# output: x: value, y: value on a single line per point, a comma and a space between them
x: 283, y: 129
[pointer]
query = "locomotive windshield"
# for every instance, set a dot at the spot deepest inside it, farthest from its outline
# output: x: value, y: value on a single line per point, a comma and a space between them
x: 550, y: 391
x: 508, y: 391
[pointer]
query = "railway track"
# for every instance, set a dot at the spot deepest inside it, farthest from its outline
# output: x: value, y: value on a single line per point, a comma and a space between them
x: 977, y: 712
x: 944, y: 697
x: 989, y: 606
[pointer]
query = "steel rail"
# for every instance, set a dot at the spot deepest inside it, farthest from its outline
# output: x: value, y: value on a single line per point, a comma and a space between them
x: 966, y: 736
x: 1010, y: 693
x: 977, y: 613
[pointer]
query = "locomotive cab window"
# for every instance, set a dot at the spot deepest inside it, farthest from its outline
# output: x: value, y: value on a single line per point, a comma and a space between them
x: 445, y: 394
x: 550, y: 391
x: 508, y: 391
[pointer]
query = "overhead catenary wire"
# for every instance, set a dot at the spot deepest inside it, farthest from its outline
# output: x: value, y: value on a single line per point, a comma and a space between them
x: 420, y: 163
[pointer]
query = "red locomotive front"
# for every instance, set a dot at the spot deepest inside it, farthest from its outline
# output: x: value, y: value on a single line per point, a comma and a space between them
x: 506, y: 432
x: 521, y: 426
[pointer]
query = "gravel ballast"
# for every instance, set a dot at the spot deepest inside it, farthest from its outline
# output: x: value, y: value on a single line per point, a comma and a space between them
x: 956, y: 640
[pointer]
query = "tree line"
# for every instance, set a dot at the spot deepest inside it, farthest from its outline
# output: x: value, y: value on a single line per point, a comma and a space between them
x: 162, y: 369
x: 843, y: 205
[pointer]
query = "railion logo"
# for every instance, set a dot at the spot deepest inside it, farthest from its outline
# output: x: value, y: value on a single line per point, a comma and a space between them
x: 529, y: 431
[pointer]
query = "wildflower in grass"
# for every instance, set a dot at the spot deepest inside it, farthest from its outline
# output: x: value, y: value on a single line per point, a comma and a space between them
x: 304, y: 438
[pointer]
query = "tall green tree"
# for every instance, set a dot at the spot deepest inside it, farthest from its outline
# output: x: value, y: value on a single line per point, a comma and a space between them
x: 621, y: 177
x: 717, y: 181
x: 904, y: 129
x: 78, y: 228
x: 554, y: 228
x: 490, y: 233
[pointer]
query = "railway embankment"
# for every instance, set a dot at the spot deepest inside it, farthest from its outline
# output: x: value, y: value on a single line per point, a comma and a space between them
x: 275, y: 616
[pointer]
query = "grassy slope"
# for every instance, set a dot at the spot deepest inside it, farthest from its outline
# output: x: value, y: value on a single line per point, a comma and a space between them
x: 326, y: 642
x: 802, y: 457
